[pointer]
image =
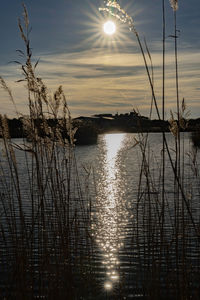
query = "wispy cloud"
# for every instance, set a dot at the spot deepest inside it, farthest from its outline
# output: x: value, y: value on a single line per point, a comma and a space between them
x: 98, y: 81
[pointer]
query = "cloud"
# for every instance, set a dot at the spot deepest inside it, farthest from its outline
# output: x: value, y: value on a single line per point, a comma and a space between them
x: 101, y: 80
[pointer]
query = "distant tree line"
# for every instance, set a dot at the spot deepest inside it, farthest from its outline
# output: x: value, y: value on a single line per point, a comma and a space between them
x: 89, y: 127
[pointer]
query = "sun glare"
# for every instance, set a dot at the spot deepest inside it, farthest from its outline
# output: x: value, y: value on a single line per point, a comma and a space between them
x: 109, y: 27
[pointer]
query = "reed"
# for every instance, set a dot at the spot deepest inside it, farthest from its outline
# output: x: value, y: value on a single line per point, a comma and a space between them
x: 164, y: 230
x: 44, y: 228
x: 47, y: 249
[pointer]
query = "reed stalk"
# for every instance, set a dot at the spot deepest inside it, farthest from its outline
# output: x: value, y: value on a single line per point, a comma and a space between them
x: 45, y: 225
x: 45, y: 221
x: 176, y: 240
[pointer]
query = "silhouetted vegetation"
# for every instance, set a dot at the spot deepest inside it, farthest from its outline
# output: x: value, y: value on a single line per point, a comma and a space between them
x: 47, y: 249
x: 87, y: 128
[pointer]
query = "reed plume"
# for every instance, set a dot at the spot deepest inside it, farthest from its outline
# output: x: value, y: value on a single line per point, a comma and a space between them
x: 174, y: 4
x: 119, y: 13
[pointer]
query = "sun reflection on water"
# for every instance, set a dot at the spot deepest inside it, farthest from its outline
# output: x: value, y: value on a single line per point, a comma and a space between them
x: 111, y: 212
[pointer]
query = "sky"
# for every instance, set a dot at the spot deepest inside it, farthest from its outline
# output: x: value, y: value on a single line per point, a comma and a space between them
x: 101, y: 73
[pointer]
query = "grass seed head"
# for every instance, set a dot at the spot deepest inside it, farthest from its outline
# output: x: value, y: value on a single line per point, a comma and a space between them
x: 174, y: 4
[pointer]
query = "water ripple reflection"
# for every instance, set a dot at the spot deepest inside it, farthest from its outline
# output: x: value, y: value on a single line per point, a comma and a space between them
x: 111, y: 213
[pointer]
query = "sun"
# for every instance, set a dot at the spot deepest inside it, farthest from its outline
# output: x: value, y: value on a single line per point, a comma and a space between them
x: 109, y: 27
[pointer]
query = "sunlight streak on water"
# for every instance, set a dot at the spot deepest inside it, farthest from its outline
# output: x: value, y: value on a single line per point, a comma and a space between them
x: 111, y: 213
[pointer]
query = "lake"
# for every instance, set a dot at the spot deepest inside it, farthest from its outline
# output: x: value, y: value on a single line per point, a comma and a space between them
x: 143, y: 229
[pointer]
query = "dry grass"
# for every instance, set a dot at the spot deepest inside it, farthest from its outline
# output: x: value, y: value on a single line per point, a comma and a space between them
x: 44, y: 230
x: 47, y: 250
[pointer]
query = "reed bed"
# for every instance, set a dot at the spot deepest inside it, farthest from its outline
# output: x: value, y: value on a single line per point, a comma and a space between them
x: 165, y: 230
x: 47, y: 249
x: 165, y: 245
x: 45, y: 238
